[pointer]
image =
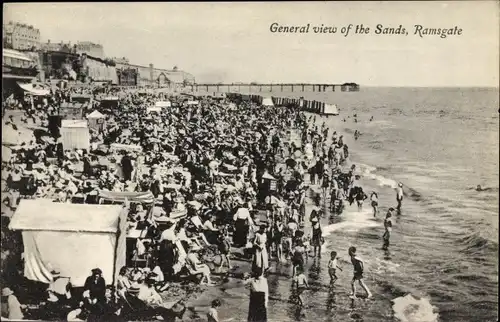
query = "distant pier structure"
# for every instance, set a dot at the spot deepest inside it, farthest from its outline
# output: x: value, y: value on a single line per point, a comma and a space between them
x: 263, y: 88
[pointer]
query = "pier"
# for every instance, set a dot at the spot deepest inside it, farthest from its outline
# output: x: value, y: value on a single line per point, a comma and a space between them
x: 263, y: 88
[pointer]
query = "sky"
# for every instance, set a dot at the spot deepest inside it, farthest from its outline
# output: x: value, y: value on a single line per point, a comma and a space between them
x: 232, y: 42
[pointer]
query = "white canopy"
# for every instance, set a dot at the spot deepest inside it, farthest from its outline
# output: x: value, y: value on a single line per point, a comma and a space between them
x: 330, y: 109
x: 65, y: 237
x: 192, y: 102
x: 34, y: 90
x: 163, y: 104
x: 267, y: 101
x: 95, y: 115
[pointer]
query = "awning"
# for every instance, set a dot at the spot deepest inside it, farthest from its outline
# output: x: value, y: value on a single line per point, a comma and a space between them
x: 34, y: 89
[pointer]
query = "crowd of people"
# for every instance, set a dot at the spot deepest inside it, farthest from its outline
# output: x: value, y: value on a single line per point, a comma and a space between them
x: 223, y: 175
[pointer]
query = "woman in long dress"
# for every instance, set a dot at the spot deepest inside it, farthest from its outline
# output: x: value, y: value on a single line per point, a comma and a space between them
x: 242, y: 222
x: 259, y: 297
x: 261, y: 258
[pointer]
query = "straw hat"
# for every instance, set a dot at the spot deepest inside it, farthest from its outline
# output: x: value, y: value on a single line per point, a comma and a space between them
x: 7, y: 291
x: 55, y: 273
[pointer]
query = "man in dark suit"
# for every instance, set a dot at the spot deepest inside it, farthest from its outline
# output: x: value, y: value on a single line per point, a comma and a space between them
x: 95, y: 286
x: 127, y: 167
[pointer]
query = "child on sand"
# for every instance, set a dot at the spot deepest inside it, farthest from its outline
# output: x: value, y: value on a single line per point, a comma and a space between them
x: 332, y: 267
x: 299, y: 285
x: 212, y: 315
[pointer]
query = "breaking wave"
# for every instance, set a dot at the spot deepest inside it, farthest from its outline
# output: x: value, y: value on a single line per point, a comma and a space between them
x: 411, y: 309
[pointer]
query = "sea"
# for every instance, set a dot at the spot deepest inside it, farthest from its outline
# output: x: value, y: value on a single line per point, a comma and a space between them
x: 440, y: 143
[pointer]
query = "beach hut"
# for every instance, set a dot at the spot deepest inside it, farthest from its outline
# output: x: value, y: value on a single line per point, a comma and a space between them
x: 70, y: 238
x: 330, y: 109
x: 75, y: 134
x: 267, y: 101
x: 96, y: 120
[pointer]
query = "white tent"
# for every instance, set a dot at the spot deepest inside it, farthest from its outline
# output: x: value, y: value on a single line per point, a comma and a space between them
x: 330, y: 109
x: 267, y: 101
x: 163, y: 104
x: 75, y: 134
x: 70, y: 238
x: 192, y: 103
x: 95, y: 115
x: 155, y: 109
x: 96, y: 120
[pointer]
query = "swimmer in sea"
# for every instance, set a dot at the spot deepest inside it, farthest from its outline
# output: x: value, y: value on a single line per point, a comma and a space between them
x: 479, y: 188
x: 399, y: 196
x: 358, y: 265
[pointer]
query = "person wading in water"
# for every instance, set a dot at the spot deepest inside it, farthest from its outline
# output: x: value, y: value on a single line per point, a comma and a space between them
x: 388, y: 229
x: 399, y: 197
x: 358, y: 265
